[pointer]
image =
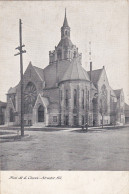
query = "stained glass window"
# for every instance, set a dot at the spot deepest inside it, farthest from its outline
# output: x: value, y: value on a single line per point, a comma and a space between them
x: 30, y: 96
x: 75, y: 98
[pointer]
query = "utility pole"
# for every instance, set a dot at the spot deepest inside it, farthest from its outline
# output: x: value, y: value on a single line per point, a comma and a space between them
x: 21, y: 72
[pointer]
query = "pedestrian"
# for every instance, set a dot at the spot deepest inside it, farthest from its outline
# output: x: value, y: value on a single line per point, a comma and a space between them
x: 82, y: 127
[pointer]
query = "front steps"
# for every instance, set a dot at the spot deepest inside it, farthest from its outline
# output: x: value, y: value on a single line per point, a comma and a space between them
x: 38, y: 125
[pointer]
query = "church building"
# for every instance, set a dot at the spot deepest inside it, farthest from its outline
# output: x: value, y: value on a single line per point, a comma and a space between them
x: 64, y: 93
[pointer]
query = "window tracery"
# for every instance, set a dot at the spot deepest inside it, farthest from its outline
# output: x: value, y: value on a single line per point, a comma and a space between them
x: 30, y: 96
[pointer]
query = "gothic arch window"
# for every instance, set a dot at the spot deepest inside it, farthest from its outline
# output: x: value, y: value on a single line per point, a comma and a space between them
x: 11, y: 115
x: 88, y: 99
x: 41, y: 114
x: 65, y: 54
x: 82, y: 99
x: 75, y: 98
x: 60, y: 95
x: 30, y: 96
x: 59, y: 55
x: 66, y: 33
x: 66, y: 98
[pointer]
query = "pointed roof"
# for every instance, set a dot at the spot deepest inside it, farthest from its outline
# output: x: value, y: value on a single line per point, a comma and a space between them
x: 51, y: 72
x: 112, y: 92
x: 39, y: 72
x: 65, y: 24
x: 126, y: 107
x: 75, y: 71
x: 66, y: 42
x: 118, y: 92
x: 12, y: 90
x: 3, y: 104
x: 95, y: 75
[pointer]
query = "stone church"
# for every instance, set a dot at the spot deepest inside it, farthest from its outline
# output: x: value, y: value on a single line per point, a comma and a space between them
x: 64, y: 93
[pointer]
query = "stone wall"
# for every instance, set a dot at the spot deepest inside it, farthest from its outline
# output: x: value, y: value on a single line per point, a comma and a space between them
x: 75, y: 112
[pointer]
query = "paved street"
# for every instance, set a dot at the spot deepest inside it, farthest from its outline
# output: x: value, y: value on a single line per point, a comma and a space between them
x: 98, y: 149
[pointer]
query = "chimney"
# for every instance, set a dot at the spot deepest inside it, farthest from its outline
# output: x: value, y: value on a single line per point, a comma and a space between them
x: 90, y: 70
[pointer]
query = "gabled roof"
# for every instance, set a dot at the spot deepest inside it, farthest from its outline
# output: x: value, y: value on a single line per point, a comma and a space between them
x: 126, y: 107
x: 39, y: 72
x: 75, y: 71
x: 3, y: 104
x: 54, y: 73
x: 112, y: 92
x: 93, y: 87
x: 118, y: 92
x: 95, y: 75
x: 12, y: 90
x: 42, y: 99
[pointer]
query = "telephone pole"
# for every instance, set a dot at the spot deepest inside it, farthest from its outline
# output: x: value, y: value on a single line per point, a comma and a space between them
x: 21, y: 72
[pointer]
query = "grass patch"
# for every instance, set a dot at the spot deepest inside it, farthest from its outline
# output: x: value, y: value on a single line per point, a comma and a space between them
x: 6, y: 133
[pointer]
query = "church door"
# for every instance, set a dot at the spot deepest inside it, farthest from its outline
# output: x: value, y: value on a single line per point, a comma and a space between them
x: 75, y: 121
x: 66, y: 120
x: 41, y: 114
x: 11, y: 115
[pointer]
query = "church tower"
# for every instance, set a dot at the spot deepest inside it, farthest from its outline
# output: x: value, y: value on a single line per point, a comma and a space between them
x: 65, y: 29
x: 65, y: 50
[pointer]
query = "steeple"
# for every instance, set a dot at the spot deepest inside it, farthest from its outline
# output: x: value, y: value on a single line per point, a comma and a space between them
x: 65, y: 24
x: 65, y: 50
x: 65, y: 29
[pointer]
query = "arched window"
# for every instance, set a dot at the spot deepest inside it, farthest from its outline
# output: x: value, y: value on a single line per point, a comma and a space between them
x: 66, y: 98
x: 88, y: 99
x: 65, y: 54
x: 41, y: 114
x: 60, y: 95
x: 75, y: 98
x: 82, y: 99
x: 11, y: 115
x: 30, y: 96
x: 59, y: 55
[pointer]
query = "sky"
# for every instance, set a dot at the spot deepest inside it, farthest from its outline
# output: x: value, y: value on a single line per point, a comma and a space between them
x: 104, y: 23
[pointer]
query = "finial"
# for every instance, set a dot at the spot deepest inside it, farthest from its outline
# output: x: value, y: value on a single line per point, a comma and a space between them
x: 90, y: 50
x: 65, y: 12
x: 65, y: 20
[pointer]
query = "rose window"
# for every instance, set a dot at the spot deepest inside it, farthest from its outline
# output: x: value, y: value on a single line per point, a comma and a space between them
x: 30, y: 96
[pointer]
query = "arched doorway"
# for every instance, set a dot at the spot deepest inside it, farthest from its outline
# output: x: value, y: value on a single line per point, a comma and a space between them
x: 11, y: 115
x: 41, y: 114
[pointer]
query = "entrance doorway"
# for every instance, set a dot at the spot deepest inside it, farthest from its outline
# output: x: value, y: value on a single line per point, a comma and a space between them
x: 11, y: 115
x: 75, y: 123
x: 66, y: 120
x: 41, y: 114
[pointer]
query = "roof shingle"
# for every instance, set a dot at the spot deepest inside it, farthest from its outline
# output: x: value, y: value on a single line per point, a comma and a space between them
x: 75, y: 71
x: 95, y: 75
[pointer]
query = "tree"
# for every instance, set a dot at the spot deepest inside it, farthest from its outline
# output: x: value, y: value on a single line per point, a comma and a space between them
x: 103, y: 103
x: 113, y: 112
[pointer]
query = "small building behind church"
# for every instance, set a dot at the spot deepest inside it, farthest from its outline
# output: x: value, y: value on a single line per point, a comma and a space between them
x: 64, y: 93
x: 2, y: 112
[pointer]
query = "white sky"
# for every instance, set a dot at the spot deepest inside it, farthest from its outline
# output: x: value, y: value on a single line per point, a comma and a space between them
x: 104, y: 23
